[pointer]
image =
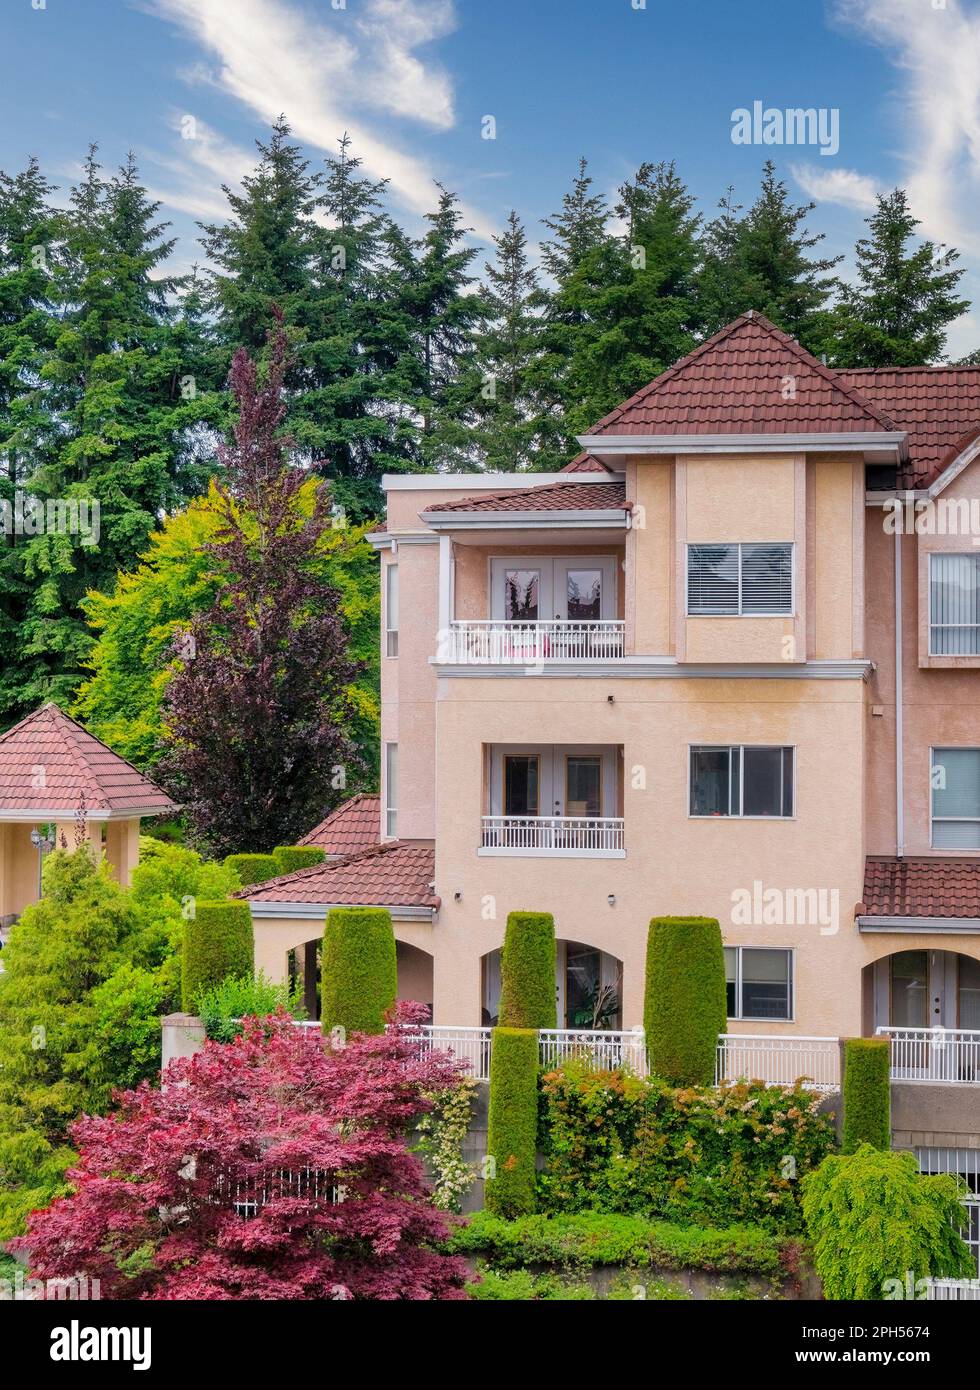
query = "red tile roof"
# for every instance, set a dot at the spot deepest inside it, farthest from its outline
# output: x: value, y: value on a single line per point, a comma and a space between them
x: 551, y: 497
x: 585, y: 463
x: 736, y: 383
x: 353, y: 826
x: 921, y: 888
x: 75, y: 767
x: 395, y: 874
x: 938, y: 406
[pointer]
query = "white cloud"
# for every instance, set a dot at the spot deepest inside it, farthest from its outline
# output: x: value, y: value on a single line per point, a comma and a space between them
x: 844, y: 186
x: 937, y: 53
x: 204, y: 160
x: 323, y: 68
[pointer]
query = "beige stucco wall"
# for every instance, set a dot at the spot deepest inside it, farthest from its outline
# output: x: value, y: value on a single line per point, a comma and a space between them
x: 275, y: 937
x: 408, y: 690
x: 650, y: 590
x: 18, y: 856
x: 675, y: 864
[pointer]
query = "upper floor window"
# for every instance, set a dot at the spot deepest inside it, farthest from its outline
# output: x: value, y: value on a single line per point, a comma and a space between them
x: 759, y: 982
x: 741, y: 781
x: 742, y: 579
x: 391, y: 610
x: 954, y: 605
x: 391, y: 790
x: 956, y: 798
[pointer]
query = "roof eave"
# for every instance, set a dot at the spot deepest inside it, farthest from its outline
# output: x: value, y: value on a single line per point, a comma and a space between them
x: 827, y: 441
x: 67, y: 813
x: 521, y: 521
x: 317, y: 910
x: 871, y: 922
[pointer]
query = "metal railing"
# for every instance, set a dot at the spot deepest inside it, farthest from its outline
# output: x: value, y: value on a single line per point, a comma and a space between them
x: 471, y: 1046
x: 965, y: 1163
x: 508, y: 642
x: 603, y: 1049
x: 953, y: 1290
x: 556, y: 835
x: 778, y: 1061
x: 934, y: 1054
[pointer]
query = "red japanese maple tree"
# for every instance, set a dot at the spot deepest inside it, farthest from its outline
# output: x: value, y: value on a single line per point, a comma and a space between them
x: 266, y: 1168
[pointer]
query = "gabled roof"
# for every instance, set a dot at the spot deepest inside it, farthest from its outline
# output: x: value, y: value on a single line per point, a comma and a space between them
x: 585, y: 463
x: 750, y: 378
x: 73, y: 768
x: 552, y: 497
x: 353, y: 826
x: 394, y: 874
x: 938, y: 406
x: 931, y: 887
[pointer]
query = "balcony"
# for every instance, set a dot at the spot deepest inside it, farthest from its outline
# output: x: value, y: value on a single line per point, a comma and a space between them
x: 504, y: 642
x: 568, y: 837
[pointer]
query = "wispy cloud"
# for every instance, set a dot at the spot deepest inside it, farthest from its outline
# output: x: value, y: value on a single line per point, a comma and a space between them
x: 937, y: 53
x: 844, y: 186
x: 203, y: 161
x: 329, y: 71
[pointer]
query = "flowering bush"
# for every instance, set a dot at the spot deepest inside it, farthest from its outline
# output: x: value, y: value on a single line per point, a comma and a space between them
x: 180, y: 1194
x: 618, y: 1143
x: 442, y: 1133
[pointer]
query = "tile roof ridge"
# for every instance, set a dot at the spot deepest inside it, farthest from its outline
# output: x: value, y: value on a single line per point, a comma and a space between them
x: 55, y: 720
x: 570, y: 480
x: 324, y: 866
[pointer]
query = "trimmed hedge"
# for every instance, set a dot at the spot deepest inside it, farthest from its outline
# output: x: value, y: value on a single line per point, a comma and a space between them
x: 358, y: 969
x: 253, y: 868
x: 512, y: 1123
x: 527, y: 972
x: 685, y: 1005
x: 867, y: 1094
x: 217, y: 943
x: 289, y: 858
x: 596, y: 1238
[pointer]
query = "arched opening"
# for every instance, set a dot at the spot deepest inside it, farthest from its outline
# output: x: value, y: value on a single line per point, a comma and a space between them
x: 588, y: 987
x: 922, y: 989
x: 414, y: 974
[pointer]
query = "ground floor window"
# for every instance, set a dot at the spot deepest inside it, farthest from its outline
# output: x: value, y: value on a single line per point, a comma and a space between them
x: 759, y: 982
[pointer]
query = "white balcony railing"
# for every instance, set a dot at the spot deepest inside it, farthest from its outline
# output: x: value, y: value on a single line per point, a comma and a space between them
x: 557, y: 836
x: 515, y: 643
x: 934, y: 1054
x: 471, y: 1046
x: 778, y: 1061
x: 602, y: 1049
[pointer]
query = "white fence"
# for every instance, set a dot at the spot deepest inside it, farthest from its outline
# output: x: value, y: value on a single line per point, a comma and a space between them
x: 553, y: 835
x: 953, y: 1290
x: 604, y: 1049
x: 778, y: 1061
x: 965, y: 1163
x: 934, y: 1054
x: 516, y: 643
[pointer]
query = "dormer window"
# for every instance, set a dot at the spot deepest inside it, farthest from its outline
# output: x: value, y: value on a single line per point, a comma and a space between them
x: 740, y: 579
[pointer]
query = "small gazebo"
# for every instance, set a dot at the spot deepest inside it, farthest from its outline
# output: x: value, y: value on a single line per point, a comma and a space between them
x: 59, y: 784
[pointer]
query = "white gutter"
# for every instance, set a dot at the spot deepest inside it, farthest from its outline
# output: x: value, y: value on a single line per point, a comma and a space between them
x: 899, y: 709
x: 540, y: 519
x: 318, y: 911
x: 614, y: 445
x: 869, y: 923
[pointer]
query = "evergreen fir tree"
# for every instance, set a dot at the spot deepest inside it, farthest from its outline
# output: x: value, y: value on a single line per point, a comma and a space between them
x: 905, y: 298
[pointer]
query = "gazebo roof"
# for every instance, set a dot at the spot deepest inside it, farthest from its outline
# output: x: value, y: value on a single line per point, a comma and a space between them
x: 51, y: 768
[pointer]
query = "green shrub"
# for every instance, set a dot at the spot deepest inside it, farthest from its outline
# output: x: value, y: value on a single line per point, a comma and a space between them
x: 873, y: 1218
x: 867, y: 1094
x: 359, y: 974
x: 217, y: 943
x: 619, y: 1143
x: 527, y: 972
x: 513, y: 1121
x: 223, y: 1007
x: 253, y: 868
x: 589, y: 1239
x: 685, y: 1003
x: 289, y: 858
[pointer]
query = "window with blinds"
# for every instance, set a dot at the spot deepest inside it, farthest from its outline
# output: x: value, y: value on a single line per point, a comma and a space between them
x: 956, y: 798
x: 954, y: 605
x: 740, y: 579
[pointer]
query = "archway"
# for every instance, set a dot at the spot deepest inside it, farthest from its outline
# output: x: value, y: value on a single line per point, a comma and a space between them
x: 414, y: 974
x: 922, y: 988
x: 588, y: 987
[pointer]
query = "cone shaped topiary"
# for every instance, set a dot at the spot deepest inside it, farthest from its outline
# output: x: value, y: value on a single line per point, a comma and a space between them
x: 527, y: 971
x: 218, y: 942
x: 512, y: 1124
x: 685, y: 1006
x: 359, y: 972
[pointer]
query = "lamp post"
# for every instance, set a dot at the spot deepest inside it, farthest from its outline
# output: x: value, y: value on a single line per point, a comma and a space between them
x: 42, y: 843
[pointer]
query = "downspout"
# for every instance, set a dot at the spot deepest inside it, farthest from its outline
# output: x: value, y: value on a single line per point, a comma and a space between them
x: 899, y: 711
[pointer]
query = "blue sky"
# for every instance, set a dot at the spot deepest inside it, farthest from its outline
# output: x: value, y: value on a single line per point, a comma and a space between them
x: 413, y: 80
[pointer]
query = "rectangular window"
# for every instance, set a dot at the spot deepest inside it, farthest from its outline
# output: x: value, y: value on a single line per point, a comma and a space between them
x: 521, y: 781
x: 521, y: 589
x: 741, y: 781
x: 583, y: 785
x: 954, y: 605
x: 391, y: 790
x: 740, y: 579
x: 759, y: 982
x: 956, y: 798
x: 391, y: 610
